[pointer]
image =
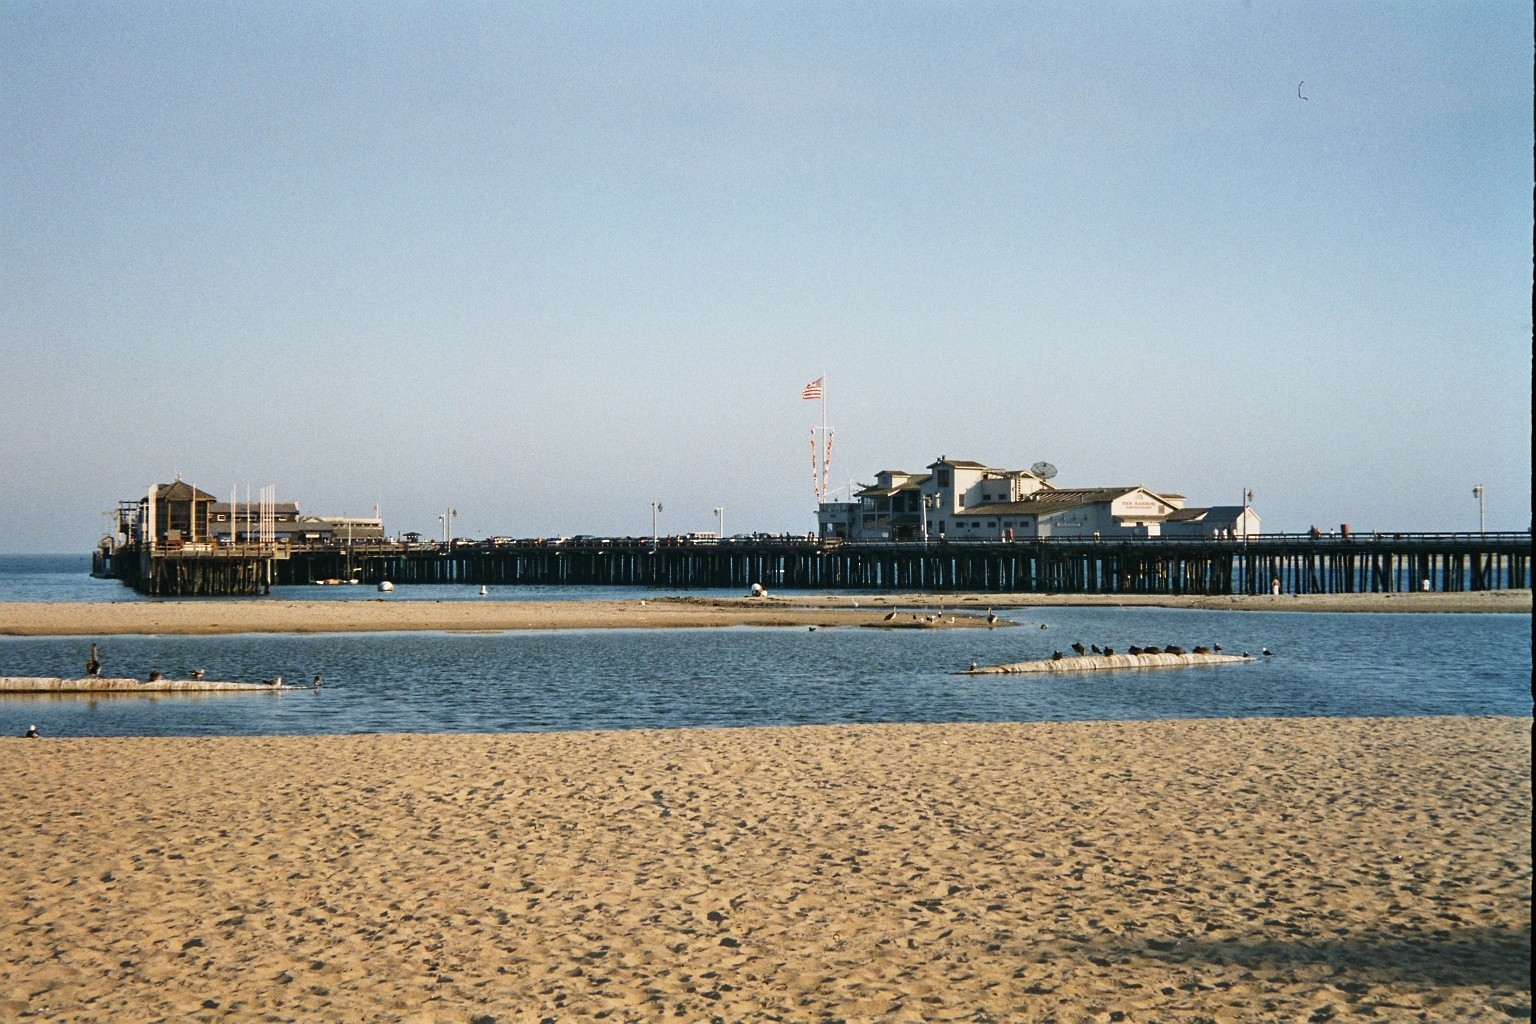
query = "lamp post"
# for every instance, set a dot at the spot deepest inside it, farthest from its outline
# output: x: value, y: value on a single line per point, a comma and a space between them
x: 1482, y: 517
x: 1247, y: 497
x: 720, y: 517
x: 655, y: 510
x: 447, y: 520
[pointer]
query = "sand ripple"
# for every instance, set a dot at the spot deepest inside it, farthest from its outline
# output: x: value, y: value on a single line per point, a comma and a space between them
x: 1301, y: 870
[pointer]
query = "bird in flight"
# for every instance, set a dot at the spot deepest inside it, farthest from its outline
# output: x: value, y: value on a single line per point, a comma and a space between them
x: 1298, y: 89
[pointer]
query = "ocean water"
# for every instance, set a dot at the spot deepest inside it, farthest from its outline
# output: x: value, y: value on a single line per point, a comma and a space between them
x: 1324, y: 664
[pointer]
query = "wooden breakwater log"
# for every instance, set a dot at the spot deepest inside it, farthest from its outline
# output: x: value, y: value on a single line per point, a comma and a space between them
x: 101, y: 684
x: 1108, y: 662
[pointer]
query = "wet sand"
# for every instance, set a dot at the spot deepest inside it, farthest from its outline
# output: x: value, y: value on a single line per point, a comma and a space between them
x: 390, y: 613
x: 1189, y: 871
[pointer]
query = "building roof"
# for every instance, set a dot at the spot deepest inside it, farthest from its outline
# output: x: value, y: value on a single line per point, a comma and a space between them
x: 957, y: 463
x: 885, y: 492
x: 1193, y: 515
x: 180, y: 490
x: 1050, y: 502
x: 253, y: 508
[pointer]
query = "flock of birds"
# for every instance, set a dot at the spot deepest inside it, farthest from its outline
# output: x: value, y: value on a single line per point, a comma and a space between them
x: 1135, y: 651
x: 1095, y: 650
x: 93, y: 668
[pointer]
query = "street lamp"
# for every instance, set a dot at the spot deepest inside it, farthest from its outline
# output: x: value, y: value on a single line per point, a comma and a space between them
x: 1482, y: 517
x: 720, y: 515
x: 655, y: 509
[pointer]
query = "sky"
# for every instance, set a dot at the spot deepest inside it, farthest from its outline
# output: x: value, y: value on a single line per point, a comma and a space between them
x: 546, y: 264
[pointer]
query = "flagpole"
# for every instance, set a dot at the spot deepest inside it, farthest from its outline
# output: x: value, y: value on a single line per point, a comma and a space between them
x: 826, y: 448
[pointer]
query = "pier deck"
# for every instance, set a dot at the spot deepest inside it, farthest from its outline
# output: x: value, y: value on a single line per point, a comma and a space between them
x: 1271, y: 563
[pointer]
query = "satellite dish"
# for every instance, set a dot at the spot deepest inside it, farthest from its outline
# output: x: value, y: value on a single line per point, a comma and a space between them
x: 1043, y: 470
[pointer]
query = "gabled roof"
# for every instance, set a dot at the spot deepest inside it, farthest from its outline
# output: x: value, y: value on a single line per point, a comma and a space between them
x: 958, y: 464
x: 180, y: 490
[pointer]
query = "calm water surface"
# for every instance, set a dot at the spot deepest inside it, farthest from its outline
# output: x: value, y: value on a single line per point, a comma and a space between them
x: 1325, y: 664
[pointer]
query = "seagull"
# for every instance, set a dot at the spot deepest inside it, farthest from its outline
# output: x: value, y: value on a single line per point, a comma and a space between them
x: 32, y: 732
x: 1216, y: 648
x: 275, y: 682
x: 196, y: 673
x: 991, y: 616
x: 93, y: 664
x: 973, y: 666
x: 1298, y: 89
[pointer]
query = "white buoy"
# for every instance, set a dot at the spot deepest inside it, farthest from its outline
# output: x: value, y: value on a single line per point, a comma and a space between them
x: 385, y: 586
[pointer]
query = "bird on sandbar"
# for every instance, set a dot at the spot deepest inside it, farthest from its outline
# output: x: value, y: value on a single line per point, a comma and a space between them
x: 196, y: 673
x: 1202, y: 649
x: 1216, y: 648
x: 973, y: 666
x: 1096, y: 649
x: 156, y: 676
x: 317, y: 682
x: 275, y: 682
x: 1109, y: 652
x: 1135, y: 650
x: 93, y: 663
x: 1151, y: 650
x: 1171, y: 649
x: 1077, y: 646
x: 32, y: 732
x: 991, y: 617
x: 1268, y: 652
x: 891, y: 616
x: 1057, y: 656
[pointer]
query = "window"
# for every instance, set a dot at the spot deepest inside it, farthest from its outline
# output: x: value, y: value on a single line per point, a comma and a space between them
x: 943, y: 477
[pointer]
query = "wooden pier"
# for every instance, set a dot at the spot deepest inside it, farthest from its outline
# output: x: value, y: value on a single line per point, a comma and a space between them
x: 1271, y: 563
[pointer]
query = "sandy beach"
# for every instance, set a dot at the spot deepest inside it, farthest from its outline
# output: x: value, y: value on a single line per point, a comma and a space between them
x: 1186, y: 871
x: 386, y: 614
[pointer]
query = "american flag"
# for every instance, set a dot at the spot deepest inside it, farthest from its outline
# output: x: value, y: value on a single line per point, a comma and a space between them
x: 812, y: 391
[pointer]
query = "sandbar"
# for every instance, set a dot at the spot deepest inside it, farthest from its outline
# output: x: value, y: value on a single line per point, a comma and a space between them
x: 43, y: 618
x: 1183, y: 871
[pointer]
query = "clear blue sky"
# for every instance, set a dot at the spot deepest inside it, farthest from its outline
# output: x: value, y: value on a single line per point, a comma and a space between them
x: 547, y: 263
